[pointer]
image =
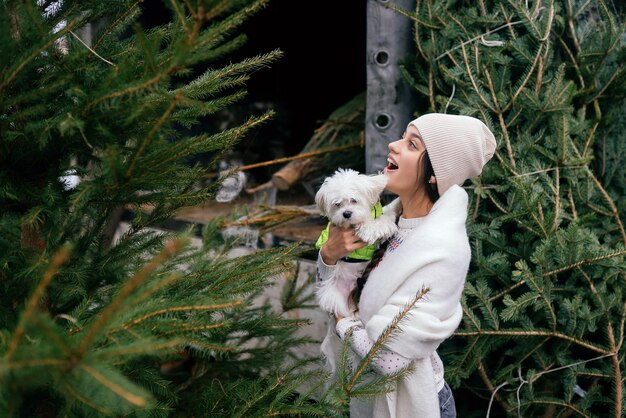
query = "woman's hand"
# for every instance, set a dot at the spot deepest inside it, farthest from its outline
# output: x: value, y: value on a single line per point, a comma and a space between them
x: 341, y: 241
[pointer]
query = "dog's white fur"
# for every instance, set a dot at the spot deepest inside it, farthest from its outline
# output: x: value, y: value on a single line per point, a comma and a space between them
x: 346, y: 199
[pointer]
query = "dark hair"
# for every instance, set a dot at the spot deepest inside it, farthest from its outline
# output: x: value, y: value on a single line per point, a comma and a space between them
x: 433, y: 195
x: 427, y: 173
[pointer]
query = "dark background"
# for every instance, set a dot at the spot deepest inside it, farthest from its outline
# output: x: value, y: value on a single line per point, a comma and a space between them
x: 322, y: 68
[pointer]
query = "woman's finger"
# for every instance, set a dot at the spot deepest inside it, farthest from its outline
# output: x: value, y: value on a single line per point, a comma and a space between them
x: 356, y: 246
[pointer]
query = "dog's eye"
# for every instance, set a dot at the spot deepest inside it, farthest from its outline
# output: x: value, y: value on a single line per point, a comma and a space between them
x: 353, y: 201
x: 338, y: 204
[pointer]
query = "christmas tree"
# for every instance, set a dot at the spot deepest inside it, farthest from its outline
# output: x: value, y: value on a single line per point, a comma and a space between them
x: 544, y: 304
x: 95, y: 126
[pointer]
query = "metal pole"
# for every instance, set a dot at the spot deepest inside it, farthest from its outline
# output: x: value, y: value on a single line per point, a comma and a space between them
x: 389, y: 98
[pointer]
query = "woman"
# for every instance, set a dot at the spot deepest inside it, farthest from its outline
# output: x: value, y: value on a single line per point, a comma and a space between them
x: 426, y: 167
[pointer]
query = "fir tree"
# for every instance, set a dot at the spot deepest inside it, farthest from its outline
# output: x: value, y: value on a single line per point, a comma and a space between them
x: 87, y: 327
x: 544, y: 304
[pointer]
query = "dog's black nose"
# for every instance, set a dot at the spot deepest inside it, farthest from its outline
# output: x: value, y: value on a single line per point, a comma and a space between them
x: 347, y: 214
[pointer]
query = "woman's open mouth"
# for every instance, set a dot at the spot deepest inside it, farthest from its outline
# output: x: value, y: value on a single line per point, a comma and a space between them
x: 391, y: 165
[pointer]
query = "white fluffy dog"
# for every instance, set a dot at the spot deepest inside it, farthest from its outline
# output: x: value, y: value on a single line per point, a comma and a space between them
x: 347, y: 198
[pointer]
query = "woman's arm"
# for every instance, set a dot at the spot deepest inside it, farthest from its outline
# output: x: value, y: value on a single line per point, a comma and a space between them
x: 323, y: 271
x: 386, y: 362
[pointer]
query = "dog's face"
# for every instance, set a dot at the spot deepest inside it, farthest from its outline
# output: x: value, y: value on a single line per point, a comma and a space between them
x: 347, y: 197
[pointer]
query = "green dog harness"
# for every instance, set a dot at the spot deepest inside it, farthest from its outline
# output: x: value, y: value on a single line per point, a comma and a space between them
x: 364, y: 253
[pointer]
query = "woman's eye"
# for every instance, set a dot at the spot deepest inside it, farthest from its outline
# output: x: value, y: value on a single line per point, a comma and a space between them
x: 412, y: 144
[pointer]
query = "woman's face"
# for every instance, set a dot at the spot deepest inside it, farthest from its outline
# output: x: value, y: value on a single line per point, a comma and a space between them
x: 403, y: 163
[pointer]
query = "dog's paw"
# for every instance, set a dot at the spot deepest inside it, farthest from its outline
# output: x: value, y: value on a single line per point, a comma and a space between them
x: 387, y: 226
x: 368, y: 232
x: 378, y: 229
x: 394, y: 208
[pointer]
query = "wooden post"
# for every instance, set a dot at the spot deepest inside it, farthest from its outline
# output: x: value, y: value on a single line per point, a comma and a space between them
x: 389, y: 99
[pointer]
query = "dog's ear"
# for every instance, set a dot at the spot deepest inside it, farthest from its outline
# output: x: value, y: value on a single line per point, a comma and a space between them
x: 377, y: 185
x: 320, y: 199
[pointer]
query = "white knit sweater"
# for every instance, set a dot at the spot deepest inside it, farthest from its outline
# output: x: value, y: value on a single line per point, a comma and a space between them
x: 435, y: 255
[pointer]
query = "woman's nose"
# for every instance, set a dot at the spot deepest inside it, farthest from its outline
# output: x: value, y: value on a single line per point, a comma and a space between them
x: 393, y: 145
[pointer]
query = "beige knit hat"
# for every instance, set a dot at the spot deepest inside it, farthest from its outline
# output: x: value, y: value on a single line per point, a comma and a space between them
x: 458, y: 146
